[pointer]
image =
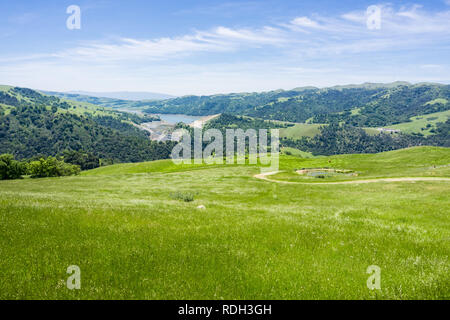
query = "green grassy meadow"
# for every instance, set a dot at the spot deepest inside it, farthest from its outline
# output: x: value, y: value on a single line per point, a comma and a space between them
x: 255, y: 239
x: 300, y: 130
x: 422, y: 124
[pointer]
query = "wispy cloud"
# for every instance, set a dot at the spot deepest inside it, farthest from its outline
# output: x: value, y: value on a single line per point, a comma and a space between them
x: 220, y: 39
x: 407, y: 26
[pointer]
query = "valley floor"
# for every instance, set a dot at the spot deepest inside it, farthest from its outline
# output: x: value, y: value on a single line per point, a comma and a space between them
x: 255, y: 240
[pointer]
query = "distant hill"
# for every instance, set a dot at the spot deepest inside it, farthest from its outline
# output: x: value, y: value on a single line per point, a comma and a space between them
x: 116, y: 100
x: 126, y: 95
x: 366, y: 105
x: 98, y: 101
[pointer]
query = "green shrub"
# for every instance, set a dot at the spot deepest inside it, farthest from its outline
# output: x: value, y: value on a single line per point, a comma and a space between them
x: 10, y: 168
x: 51, y: 167
x: 183, y: 196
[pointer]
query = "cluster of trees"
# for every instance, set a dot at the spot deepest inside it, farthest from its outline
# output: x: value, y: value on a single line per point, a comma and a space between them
x: 229, y: 121
x: 345, y: 139
x: 51, y: 167
x: 85, y: 160
x: 441, y: 135
x: 10, y: 168
x: 44, y: 167
x: 362, y: 106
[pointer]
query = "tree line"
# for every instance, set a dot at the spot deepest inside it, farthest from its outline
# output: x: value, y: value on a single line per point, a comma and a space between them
x: 11, y: 168
x: 346, y: 139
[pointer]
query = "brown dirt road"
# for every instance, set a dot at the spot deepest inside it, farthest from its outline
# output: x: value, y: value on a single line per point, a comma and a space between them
x: 264, y: 176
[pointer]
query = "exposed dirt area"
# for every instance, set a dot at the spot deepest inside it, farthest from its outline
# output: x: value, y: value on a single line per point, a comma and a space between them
x: 264, y: 176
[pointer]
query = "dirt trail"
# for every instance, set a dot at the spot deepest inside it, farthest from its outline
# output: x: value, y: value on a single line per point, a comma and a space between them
x: 201, y: 122
x: 264, y: 176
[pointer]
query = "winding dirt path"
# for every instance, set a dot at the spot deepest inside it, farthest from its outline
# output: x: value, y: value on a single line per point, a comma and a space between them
x: 264, y: 176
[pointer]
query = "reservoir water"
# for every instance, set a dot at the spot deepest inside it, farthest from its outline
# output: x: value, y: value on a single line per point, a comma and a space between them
x: 175, y: 118
x: 167, y: 118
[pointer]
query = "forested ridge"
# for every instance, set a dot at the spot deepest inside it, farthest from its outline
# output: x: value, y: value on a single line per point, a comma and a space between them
x: 32, y: 124
x: 362, y: 106
x: 338, y: 138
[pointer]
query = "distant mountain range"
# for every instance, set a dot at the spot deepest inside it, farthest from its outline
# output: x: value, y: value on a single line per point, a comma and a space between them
x: 126, y: 95
x: 121, y: 95
x: 366, y: 105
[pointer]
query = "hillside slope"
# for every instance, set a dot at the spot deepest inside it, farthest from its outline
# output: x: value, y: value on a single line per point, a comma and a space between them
x: 33, y: 124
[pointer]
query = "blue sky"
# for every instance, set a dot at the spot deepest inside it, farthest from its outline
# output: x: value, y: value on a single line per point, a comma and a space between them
x: 206, y: 47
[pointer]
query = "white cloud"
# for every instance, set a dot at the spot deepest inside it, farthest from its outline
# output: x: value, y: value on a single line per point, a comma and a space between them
x: 220, y: 39
x: 305, y: 22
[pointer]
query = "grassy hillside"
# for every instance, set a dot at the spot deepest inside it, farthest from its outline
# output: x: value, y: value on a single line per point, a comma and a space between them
x: 309, y: 130
x: 64, y: 104
x: 296, y: 152
x: 412, y: 162
x: 300, y: 130
x: 423, y: 124
x: 255, y: 240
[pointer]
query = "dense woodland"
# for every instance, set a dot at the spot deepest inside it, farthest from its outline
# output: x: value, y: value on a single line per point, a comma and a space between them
x: 10, y: 168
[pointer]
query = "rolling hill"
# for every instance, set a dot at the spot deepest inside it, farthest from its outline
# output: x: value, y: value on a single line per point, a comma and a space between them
x: 33, y: 124
x: 369, y: 105
x: 424, y: 124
